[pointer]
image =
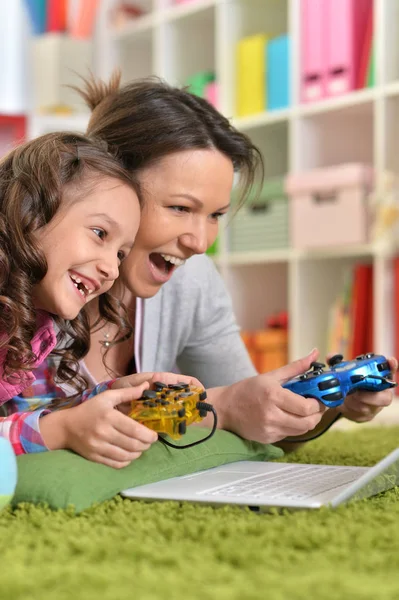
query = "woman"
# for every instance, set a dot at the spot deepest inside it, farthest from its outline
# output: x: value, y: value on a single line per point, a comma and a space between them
x: 185, y: 154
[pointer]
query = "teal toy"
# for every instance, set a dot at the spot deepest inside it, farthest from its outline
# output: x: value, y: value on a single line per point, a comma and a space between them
x: 8, y: 472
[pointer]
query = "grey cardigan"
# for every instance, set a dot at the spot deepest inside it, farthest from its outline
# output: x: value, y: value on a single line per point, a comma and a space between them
x: 190, y: 323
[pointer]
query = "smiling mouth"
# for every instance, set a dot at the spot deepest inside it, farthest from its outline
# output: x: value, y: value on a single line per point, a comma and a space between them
x: 165, y: 263
x: 80, y: 286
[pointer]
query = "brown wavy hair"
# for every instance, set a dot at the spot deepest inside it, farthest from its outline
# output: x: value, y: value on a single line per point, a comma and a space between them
x: 147, y: 120
x: 33, y: 179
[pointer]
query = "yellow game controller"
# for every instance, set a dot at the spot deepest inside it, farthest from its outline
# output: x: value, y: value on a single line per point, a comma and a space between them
x: 169, y: 409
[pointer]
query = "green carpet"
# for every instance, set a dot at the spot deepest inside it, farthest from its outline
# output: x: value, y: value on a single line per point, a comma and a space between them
x: 133, y: 550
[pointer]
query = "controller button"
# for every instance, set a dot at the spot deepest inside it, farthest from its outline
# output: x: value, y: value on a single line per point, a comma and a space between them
x: 147, y: 403
x: 159, y: 385
x: 182, y: 428
x: 203, y: 396
x: 369, y: 355
x: 327, y: 385
x: 181, y: 412
x: 384, y: 366
x: 185, y: 385
x: 335, y: 360
x: 360, y: 357
x: 177, y: 386
x: 357, y: 378
x: 333, y: 397
x: 149, y: 394
x: 165, y: 402
x: 303, y: 377
x: 186, y: 394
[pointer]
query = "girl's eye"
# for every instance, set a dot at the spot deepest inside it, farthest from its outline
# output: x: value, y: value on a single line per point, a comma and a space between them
x: 99, y: 232
x: 217, y: 216
x: 121, y: 255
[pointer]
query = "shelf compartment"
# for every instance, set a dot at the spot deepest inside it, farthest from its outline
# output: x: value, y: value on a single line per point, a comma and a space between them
x: 267, y: 286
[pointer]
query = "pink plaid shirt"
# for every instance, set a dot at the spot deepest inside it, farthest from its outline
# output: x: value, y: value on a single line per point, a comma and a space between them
x: 30, y: 396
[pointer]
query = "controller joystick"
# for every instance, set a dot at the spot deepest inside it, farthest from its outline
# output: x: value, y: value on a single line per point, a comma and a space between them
x: 334, y: 360
x: 317, y: 366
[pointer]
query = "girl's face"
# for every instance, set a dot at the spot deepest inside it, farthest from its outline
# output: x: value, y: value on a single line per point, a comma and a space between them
x: 84, y: 245
x: 185, y: 194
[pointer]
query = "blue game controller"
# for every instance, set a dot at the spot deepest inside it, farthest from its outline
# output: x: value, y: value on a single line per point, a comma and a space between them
x: 366, y: 372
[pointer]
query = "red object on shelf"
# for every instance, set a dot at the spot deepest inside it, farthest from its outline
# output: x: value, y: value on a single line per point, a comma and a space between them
x: 362, y: 311
x: 12, y: 131
x: 277, y: 320
x: 56, y: 15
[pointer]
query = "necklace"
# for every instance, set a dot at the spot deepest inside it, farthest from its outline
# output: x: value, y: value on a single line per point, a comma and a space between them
x: 106, y: 342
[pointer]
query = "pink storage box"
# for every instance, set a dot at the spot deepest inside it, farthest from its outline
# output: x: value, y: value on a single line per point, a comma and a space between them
x: 329, y: 206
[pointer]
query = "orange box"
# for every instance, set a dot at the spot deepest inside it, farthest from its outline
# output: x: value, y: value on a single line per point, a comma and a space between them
x: 271, y: 346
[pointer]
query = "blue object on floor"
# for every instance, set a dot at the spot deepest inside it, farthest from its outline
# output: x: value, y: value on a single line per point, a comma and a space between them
x: 8, y: 472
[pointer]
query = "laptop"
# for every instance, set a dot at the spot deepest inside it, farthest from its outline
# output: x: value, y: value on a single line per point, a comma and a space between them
x: 263, y: 485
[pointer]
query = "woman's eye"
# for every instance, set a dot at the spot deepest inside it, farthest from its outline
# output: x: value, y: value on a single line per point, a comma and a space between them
x: 217, y: 216
x: 180, y: 209
x: 121, y: 255
x: 99, y: 232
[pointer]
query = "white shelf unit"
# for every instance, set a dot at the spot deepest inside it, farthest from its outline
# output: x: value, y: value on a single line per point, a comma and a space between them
x: 175, y: 41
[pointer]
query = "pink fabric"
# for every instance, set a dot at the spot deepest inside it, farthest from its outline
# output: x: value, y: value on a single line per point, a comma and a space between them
x: 42, y: 344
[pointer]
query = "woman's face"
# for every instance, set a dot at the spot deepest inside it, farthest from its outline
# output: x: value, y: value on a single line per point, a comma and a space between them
x: 184, y: 194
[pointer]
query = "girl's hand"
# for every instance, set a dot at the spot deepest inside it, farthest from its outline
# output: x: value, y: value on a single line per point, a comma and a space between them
x: 97, y: 431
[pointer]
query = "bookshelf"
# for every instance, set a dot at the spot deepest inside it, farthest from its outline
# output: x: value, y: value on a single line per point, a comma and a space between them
x: 175, y: 40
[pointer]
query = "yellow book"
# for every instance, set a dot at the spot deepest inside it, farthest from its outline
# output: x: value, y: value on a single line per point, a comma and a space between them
x: 251, y: 75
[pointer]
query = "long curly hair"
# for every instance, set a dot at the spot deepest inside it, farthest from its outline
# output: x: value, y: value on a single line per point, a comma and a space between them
x: 33, y: 179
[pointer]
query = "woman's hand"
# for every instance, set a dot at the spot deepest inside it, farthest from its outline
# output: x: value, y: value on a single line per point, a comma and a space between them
x: 260, y: 409
x: 364, y: 406
x: 97, y: 431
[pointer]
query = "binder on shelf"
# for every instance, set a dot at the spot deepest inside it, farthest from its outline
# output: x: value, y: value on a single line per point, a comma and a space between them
x: 37, y: 15
x: 278, y: 73
x: 371, y: 68
x: 362, y: 310
x: 313, y: 49
x: 365, y: 53
x: 347, y: 26
x: 83, y: 21
x: 56, y: 16
x: 251, y: 89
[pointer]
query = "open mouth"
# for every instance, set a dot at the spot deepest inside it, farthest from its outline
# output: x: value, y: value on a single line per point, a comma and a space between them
x: 82, y: 288
x: 165, y: 263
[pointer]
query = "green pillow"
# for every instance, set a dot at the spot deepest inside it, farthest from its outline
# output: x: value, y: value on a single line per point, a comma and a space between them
x: 62, y: 478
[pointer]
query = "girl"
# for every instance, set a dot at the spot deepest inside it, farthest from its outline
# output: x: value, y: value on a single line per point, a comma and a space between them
x: 69, y: 214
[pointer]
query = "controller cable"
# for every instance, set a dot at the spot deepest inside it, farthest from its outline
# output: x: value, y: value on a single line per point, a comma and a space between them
x: 201, y: 406
x: 339, y: 415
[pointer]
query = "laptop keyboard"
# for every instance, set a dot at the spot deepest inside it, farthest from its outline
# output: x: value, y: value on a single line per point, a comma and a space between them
x: 290, y: 483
